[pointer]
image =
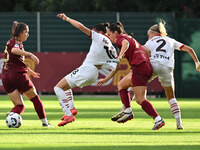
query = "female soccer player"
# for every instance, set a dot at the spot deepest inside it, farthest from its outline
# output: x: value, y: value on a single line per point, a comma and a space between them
x: 14, y: 73
x: 141, y: 73
x: 101, y: 55
x: 162, y: 59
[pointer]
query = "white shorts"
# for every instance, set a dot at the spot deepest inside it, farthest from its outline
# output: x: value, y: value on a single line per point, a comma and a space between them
x: 82, y: 76
x: 164, y: 74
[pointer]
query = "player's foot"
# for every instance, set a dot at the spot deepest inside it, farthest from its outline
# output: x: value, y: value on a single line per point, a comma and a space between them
x: 46, y: 125
x: 66, y: 120
x: 158, y: 124
x: 117, y: 116
x: 125, y: 117
x: 73, y: 111
x: 180, y: 127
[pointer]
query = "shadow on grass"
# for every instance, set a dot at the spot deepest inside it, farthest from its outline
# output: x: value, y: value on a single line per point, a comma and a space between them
x: 54, y: 114
x: 111, y: 147
x: 91, y: 131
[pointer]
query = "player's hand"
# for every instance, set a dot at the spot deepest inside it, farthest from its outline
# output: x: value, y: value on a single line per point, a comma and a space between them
x: 35, y: 59
x: 101, y: 82
x: 62, y: 16
x: 35, y: 75
x: 197, y: 66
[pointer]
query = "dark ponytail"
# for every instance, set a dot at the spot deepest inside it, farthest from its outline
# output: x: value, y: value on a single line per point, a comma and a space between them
x: 102, y: 27
x: 117, y: 27
x: 17, y: 28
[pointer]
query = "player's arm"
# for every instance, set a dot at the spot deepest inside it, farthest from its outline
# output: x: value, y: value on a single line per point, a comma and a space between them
x: 18, y: 51
x: 108, y: 77
x: 75, y: 23
x: 193, y: 55
x: 125, y: 46
x: 33, y: 73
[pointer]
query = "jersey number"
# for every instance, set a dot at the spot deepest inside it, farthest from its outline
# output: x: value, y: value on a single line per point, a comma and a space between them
x: 159, y: 48
x: 109, y: 52
x: 6, y: 58
x: 7, y: 55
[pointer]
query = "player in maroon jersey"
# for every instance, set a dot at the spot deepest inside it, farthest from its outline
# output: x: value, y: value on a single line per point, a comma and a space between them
x: 14, y: 73
x: 141, y: 73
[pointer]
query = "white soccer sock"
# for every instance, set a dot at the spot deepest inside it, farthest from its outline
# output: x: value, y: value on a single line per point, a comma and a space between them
x: 60, y: 93
x: 158, y: 118
x: 44, y: 120
x: 175, y: 110
x: 70, y: 98
x: 123, y: 107
x: 131, y: 93
x: 128, y: 110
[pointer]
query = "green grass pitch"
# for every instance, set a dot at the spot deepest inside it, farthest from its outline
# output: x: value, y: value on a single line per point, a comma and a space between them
x: 93, y: 129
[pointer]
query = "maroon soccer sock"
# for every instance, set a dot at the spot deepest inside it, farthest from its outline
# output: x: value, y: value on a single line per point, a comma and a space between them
x: 149, y: 109
x: 38, y: 107
x: 125, y: 98
x: 18, y: 109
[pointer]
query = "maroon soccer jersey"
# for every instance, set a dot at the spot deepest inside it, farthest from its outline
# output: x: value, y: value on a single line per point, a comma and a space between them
x: 135, y: 53
x: 12, y: 62
x: 14, y: 72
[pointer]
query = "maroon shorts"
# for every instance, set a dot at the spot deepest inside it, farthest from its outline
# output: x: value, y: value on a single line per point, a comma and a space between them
x: 141, y: 74
x: 16, y: 80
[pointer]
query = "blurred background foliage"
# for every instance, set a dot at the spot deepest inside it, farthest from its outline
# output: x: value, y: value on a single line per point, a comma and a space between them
x: 181, y: 8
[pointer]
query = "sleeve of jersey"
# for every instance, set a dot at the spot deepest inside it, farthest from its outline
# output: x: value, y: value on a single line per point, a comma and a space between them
x: 95, y: 36
x: 178, y: 45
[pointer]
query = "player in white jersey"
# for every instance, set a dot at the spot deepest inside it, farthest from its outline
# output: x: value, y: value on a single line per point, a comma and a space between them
x: 102, y: 55
x: 161, y: 48
x: 162, y: 59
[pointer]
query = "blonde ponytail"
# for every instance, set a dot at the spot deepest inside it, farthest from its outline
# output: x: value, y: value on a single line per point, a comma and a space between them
x: 159, y: 28
x: 162, y: 28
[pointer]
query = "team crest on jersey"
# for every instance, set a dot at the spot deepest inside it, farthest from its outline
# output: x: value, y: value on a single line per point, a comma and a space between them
x: 17, y: 45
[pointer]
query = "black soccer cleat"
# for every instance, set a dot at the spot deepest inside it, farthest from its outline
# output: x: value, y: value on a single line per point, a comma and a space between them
x: 117, y: 116
x: 125, y: 117
x: 158, y: 124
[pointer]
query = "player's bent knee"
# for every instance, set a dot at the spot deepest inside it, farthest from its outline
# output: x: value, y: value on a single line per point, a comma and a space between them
x: 30, y: 93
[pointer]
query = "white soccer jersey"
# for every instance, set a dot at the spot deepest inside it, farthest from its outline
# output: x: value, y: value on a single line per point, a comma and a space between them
x: 162, y: 49
x: 101, y: 52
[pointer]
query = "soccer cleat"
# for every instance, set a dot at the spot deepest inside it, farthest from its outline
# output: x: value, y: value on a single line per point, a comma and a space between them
x: 125, y: 117
x: 180, y: 127
x: 158, y: 124
x: 63, y: 117
x: 66, y: 120
x: 73, y: 111
x: 117, y: 116
x: 46, y: 125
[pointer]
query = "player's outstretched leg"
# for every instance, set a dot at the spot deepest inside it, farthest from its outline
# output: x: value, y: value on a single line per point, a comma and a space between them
x: 68, y: 117
x: 176, y: 111
x: 150, y: 110
x: 70, y: 100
